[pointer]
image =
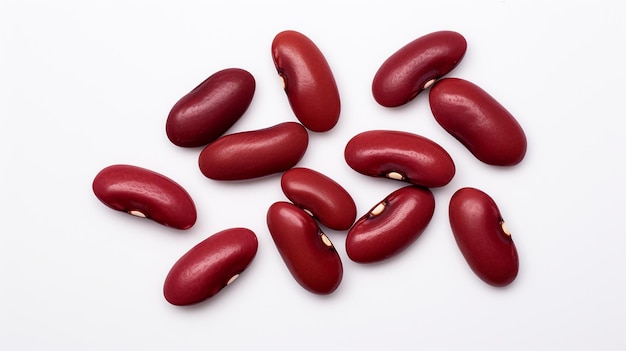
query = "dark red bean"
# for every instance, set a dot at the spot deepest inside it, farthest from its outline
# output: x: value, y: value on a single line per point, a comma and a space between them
x: 482, y: 237
x: 308, y: 80
x: 325, y: 199
x: 308, y: 253
x: 210, y: 266
x: 391, y: 226
x: 417, y: 65
x: 254, y: 154
x: 478, y: 121
x: 400, y: 155
x: 205, y: 113
x: 145, y: 193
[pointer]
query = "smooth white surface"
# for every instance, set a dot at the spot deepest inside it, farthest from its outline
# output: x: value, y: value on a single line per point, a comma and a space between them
x: 86, y: 84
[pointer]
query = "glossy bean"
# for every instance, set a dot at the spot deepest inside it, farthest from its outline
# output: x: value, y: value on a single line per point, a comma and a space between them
x: 209, y: 110
x: 144, y: 193
x: 308, y: 80
x: 391, y: 226
x: 416, y: 66
x: 210, y: 266
x: 325, y: 199
x: 254, y: 154
x: 478, y: 121
x: 482, y: 236
x: 400, y: 155
x: 307, y: 252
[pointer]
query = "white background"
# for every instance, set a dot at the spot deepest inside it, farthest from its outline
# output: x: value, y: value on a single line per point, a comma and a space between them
x: 87, y: 84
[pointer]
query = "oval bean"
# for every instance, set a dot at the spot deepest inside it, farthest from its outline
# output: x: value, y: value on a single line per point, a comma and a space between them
x: 308, y: 80
x: 400, y: 155
x: 482, y: 237
x: 307, y: 252
x: 210, y: 266
x: 254, y: 154
x: 209, y: 110
x: 416, y: 66
x: 144, y: 193
x: 478, y: 121
x: 391, y: 226
x: 325, y: 199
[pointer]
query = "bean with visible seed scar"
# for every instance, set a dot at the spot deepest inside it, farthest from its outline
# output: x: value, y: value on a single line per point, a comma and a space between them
x: 482, y: 236
x: 320, y: 196
x: 401, y: 156
x: 308, y: 80
x: 391, y: 226
x: 211, y: 265
x: 145, y: 193
x: 416, y: 66
x: 308, y: 253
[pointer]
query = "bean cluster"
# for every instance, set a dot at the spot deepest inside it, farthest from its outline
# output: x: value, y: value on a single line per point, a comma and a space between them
x: 202, y: 117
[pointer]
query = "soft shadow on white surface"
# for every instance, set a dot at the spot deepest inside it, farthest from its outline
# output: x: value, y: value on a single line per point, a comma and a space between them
x: 86, y: 85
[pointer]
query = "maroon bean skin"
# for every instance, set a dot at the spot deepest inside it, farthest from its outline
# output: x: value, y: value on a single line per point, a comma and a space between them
x: 386, y: 153
x: 308, y: 80
x: 391, y: 226
x: 406, y: 73
x: 308, y: 254
x: 328, y: 201
x: 145, y: 193
x: 254, y: 154
x: 209, y: 266
x: 209, y: 110
x: 478, y: 121
x: 477, y: 226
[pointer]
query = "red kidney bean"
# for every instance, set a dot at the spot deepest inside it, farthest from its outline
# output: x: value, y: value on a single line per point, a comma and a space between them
x: 205, y: 113
x: 308, y: 253
x: 325, y: 199
x: 391, y: 226
x: 417, y: 65
x: 254, y: 154
x: 210, y: 266
x: 400, y: 155
x: 482, y: 237
x: 308, y: 80
x: 144, y: 193
x: 478, y: 121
